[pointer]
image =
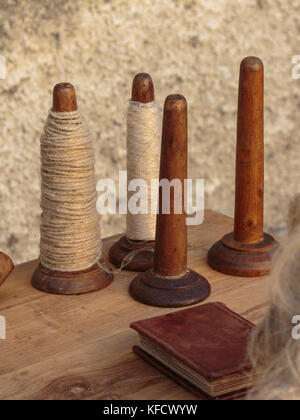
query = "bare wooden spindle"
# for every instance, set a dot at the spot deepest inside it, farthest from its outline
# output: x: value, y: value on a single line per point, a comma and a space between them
x: 247, y: 251
x: 249, y: 189
x: 170, y: 283
x: 171, y: 232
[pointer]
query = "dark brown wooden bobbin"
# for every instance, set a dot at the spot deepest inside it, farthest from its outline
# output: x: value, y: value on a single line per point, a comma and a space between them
x: 247, y: 251
x: 143, y: 92
x: 6, y: 267
x: 77, y: 282
x: 170, y: 283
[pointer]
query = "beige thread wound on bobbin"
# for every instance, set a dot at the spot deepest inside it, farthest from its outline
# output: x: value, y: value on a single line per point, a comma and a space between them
x: 70, y: 230
x: 143, y: 150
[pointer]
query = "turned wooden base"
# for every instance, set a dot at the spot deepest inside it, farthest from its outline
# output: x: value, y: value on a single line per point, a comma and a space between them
x: 141, y: 261
x: 70, y: 283
x: 154, y: 290
x: 246, y: 260
x: 6, y: 267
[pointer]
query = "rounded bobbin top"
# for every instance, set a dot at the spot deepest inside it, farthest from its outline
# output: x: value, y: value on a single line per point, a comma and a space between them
x: 252, y: 64
x: 142, y: 88
x: 175, y: 103
x: 64, y: 98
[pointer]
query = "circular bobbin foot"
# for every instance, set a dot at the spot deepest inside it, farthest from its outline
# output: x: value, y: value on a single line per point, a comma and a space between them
x: 142, y: 261
x: 153, y: 290
x: 246, y: 260
x: 70, y: 283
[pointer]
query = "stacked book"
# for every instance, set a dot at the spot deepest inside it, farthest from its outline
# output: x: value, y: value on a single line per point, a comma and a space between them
x: 204, y: 349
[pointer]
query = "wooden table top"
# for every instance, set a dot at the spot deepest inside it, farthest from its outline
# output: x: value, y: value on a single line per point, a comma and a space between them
x: 79, y: 347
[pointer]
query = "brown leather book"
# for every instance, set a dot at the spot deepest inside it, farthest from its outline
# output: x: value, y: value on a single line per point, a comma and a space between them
x: 203, y: 348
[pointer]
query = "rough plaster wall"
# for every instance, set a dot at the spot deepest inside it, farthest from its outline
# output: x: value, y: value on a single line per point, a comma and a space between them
x: 189, y: 47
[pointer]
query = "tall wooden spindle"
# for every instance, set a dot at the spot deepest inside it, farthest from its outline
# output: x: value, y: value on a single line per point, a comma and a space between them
x: 171, y: 231
x: 170, y: 283
x: 76, y: 282
x: 249, y: 188
x: 247, y: 251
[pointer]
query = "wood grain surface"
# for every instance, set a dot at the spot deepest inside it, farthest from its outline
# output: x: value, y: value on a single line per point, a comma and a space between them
x: 80, y: 347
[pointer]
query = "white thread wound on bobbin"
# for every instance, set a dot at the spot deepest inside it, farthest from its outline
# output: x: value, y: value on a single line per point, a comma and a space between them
x: 143, y: 150
x: 70, y: 230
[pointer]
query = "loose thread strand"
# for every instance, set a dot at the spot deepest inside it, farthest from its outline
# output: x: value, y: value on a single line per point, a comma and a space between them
x: 129, y: 257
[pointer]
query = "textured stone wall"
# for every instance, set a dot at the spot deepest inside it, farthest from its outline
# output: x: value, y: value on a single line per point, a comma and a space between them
x: 193, y: 47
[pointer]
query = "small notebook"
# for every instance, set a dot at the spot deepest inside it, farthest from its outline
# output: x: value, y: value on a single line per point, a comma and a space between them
x: 203, y: 348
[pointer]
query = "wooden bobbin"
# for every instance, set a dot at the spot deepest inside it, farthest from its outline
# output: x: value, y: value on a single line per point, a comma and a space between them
x: 143, y: 92
x: 170, y: 283
x: 6, y: 267
x: 248, y: 250
x: 76, y: 282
